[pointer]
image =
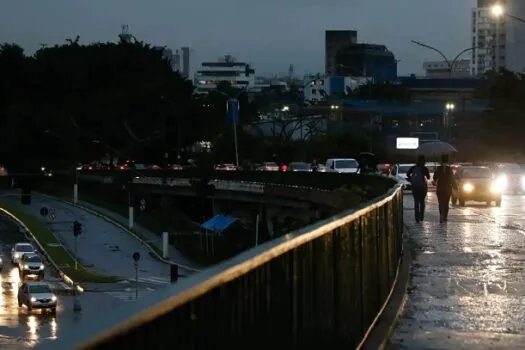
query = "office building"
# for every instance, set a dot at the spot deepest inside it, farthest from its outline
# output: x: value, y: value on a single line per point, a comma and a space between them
x: 239, y: 74
x: 335, y: 40
x: 441, y: 69
x: 366, y: 60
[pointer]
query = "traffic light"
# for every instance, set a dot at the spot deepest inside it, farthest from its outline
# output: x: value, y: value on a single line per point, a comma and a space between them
x: 77, y: 228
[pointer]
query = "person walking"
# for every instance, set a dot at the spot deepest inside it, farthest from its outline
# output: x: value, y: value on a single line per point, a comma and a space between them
x: 444, y: 179
x: 418, y: 176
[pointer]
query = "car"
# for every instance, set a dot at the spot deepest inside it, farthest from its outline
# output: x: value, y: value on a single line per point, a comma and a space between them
x: 342, y: 165
x: 299, y: 167
x: 399, y: 173
x: 511, y: 176
x: 20, y: 249
x: 268, y: 166
x: 37, y: 295
x: 476, y: 183
x: 31, y: 265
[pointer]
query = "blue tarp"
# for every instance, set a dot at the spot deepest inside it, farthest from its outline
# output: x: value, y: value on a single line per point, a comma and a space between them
x: 218, y: 223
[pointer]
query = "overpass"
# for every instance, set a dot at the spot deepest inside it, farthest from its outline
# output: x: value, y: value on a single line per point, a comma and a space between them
x: 324, y: 285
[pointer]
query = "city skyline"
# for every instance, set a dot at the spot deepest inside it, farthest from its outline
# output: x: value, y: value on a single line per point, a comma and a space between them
x: 268, y: 35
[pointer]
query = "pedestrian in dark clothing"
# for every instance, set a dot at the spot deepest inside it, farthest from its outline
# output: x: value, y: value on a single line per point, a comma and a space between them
x: 444, y: 179
x: 418, y: 176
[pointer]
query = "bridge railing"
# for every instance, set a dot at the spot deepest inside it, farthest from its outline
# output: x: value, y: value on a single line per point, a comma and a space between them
x: 323, y: 285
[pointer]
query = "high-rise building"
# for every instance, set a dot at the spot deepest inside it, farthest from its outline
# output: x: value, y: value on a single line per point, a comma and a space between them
x: 335, y: 40
x: 485, y: 27
x: 185, y: 62
x: 239, y: 75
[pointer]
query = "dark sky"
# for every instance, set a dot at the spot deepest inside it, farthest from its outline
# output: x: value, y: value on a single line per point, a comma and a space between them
x: 270, y: 34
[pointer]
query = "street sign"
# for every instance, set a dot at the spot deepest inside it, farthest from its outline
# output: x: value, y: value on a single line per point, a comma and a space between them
x: 142, y: 207
x: 136, y: 256
x: 142, y: 201
x: 51, y: 217
x: 44, y: 211
x: 407, y: 143
x: 52, y: 211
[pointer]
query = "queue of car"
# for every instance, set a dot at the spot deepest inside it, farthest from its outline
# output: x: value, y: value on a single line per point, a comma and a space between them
x: 33, y: 292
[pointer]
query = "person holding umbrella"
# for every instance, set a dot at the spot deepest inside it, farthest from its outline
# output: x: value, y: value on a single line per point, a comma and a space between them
x: 418, y: 176
x: 444, y: 179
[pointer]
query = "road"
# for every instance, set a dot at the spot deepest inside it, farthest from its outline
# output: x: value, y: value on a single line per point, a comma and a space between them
x: 102, y: 247
x: 467, y: 285
x: 18, y: 329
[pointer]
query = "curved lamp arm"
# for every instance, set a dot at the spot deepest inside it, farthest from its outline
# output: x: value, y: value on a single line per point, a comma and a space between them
x: 435, y: 50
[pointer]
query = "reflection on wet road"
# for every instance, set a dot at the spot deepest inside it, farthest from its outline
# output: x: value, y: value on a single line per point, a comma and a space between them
x: 467, y: 287
x: 22, y: 330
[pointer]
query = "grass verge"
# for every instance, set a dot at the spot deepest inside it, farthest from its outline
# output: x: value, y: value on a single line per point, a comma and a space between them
x: 60, y: 255
x: 189, y: 245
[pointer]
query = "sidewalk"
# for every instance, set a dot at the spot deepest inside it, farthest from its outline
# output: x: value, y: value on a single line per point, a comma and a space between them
x: 102, y: 247
x: 148, y: 236
x: 467, y: 280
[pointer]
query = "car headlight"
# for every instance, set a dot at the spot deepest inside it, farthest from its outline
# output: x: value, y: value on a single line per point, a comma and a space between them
x: 502, y: 181
x: 26, y: 267
x: 41, y: 267
x: 468, y: 187
x: 497, y: 187
x: 54, y: 298
x: 33, y: 299
x: 17, y: 255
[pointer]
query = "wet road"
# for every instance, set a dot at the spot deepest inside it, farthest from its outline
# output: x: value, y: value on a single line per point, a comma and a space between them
x: 20, y: 330
x: 467, y: 286
x: 102, y: 247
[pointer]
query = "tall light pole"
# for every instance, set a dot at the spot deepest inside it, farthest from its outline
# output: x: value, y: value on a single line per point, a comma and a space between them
x: 497, y: 11
x: 450, y: 63
x: 449, y: 109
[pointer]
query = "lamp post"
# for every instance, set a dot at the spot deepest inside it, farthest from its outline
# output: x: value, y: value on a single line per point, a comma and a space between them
x: 450, y: 63
x: 234, y: 102
x: 449, y: 109
x: 497, y: 11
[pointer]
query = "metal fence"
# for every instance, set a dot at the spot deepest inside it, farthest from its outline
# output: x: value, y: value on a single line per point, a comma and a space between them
x: 323, y: 285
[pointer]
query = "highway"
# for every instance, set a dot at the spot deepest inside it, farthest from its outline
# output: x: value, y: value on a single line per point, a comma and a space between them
x: 20, y: 330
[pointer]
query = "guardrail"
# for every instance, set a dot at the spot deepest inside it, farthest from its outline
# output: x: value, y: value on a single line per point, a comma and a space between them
x: 247, y: 181
x: 323, y: 285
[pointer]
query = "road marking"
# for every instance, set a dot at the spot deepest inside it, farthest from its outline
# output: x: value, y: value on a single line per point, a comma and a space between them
x: 128, y: 294
x: 154, y: 280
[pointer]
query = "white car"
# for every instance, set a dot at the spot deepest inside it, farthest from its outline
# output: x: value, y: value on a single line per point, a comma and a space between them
x: 400, y: 174
x: 37, y: 295
x: 342, y: 165
x: 20, y: 249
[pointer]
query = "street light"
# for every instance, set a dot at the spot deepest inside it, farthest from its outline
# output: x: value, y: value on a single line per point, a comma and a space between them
x: 449, y: 108
x: 497, y: 11
x: 450, y: 64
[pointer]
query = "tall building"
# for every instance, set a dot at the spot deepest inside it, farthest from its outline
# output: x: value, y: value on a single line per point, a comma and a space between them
x: 366, y: 60
x: 239, y: 74
x: 440, y: 69
x: 185, y: 62
x: 484, y: 28
x: 334, y: 41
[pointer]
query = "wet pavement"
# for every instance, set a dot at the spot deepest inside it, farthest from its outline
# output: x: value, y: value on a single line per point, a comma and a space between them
x: 467, y: 285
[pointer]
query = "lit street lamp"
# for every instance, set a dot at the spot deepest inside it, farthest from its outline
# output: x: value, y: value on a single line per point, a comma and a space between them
x: 447, y: 118
x: 497, y: 11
